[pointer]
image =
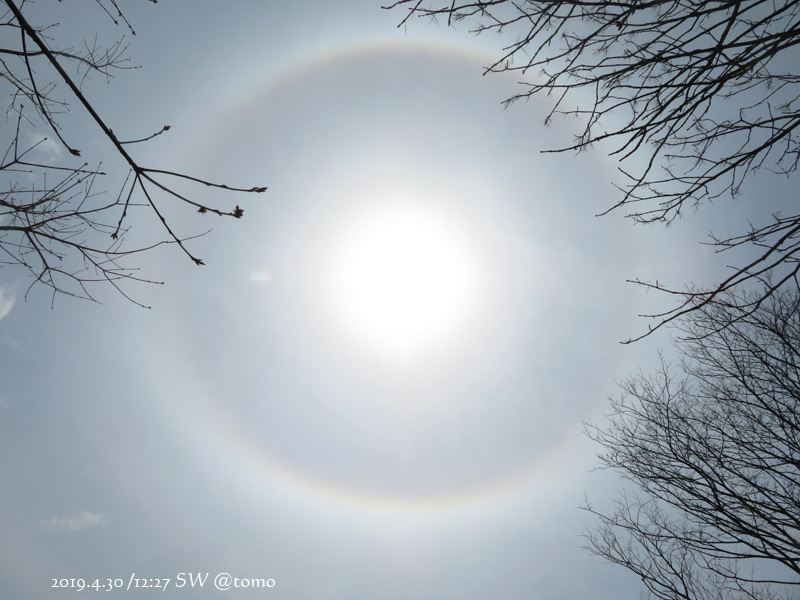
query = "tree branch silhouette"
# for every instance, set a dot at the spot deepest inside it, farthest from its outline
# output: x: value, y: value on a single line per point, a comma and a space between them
x: 714, y: 455
x: 52, y: 218
x: 700, y: 94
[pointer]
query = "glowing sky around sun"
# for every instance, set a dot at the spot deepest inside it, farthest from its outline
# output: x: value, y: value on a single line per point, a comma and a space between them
x: 404, y: 278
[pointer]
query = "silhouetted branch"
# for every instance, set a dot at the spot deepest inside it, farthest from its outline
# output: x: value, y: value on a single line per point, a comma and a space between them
x: 714, y: 454
x: 697, y: 92
x: 52, y: 219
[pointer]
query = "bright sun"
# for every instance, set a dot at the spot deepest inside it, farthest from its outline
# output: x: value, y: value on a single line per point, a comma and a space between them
x: 404, y: 278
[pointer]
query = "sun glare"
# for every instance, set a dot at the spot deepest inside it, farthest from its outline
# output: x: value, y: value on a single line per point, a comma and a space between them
x: 404, y: 279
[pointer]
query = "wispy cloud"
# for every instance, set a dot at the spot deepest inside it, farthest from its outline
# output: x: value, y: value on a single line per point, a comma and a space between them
x: 6, y: 302
x: 75, y: 522
x: 45, y: 146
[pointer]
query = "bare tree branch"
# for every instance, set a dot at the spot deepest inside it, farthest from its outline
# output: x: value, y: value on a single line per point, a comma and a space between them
x: 714, y: 455
x: 53, y: 220
x: 702, y: 94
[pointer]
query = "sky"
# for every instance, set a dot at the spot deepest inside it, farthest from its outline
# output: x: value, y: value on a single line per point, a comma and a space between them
x: 375, y: 388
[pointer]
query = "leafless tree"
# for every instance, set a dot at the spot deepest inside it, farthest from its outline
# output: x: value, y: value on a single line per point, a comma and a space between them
x: 714, y: 457
x: 55, y: 220
x: 701, y: 93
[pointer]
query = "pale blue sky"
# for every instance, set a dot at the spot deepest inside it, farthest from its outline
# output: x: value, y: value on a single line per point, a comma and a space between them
x: 247, y: 423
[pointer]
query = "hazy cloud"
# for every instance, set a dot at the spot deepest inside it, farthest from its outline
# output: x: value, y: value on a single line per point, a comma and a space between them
x: 80, y: 520
x: 6, y: 302
x: 46, y: 147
